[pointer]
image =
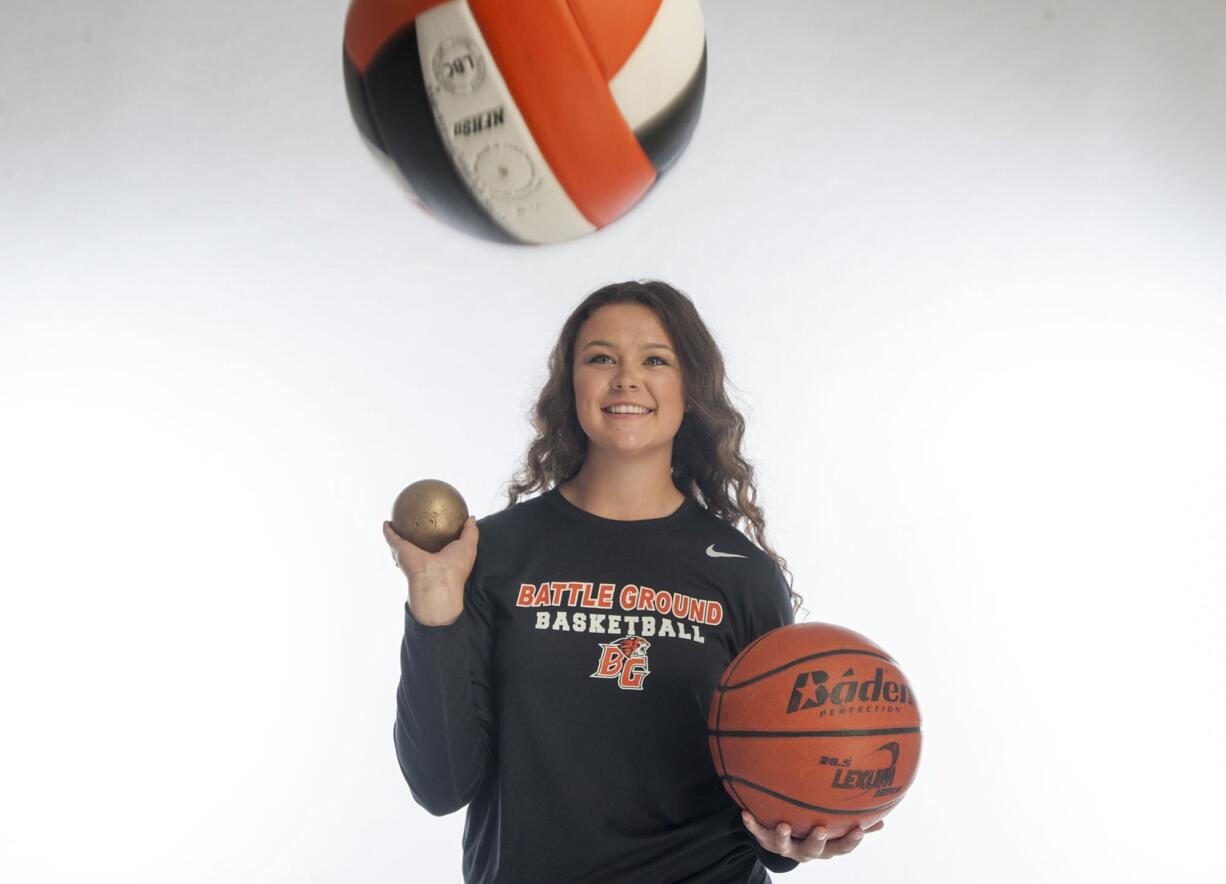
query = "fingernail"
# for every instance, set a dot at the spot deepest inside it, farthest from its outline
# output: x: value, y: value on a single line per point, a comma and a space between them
x: 857, y: 835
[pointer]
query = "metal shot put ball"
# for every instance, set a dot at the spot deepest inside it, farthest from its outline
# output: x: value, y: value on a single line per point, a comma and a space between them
x: 429, y: 514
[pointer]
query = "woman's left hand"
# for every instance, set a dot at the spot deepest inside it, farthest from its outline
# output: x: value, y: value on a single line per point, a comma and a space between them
x: 816, y: 846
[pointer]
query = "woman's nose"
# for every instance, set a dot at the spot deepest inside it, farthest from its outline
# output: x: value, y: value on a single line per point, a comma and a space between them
x: 624, y: 379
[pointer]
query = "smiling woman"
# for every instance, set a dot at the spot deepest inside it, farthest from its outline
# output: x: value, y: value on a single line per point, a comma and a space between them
x: 629, y: 401
x: 607, y: 605
x: 641, y: 343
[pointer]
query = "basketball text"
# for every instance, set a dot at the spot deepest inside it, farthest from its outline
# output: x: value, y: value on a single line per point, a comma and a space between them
x: 881, y: 779
x: 810, y: 691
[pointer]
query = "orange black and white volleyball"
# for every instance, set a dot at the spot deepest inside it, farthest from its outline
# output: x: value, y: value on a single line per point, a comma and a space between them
x: 814, y: 725
x: 526, y: 121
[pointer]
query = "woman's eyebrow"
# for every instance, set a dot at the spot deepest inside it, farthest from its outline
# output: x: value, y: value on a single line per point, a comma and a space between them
x: 607, y: 344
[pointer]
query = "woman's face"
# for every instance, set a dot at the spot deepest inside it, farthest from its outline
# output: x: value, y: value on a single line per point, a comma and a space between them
x: 623, y: 354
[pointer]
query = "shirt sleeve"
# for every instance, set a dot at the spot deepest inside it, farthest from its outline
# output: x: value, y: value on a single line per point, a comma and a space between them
x: 444, y: 706
x: 773, y: 609
x: 772, y: 603
x: 773, y: 861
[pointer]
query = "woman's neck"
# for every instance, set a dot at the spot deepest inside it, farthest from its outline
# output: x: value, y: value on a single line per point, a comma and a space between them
x: 626, y: 494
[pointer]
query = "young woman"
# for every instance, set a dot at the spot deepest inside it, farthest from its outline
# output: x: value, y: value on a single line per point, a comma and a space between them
x: 555, y: 677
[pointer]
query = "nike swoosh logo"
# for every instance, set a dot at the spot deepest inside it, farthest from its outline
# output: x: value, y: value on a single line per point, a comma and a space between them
x: 713, y: 554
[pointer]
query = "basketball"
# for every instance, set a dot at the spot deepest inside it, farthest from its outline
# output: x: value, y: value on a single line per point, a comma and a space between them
x: 526, y: 121
x: 814, y: 725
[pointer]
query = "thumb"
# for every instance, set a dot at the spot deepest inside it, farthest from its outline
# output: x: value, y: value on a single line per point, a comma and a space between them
x: 470, y: 532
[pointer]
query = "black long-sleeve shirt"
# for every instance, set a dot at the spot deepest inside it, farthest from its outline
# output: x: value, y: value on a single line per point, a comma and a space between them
x: 567, y: 706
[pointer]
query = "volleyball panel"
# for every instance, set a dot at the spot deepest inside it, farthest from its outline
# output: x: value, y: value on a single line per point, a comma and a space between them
x: 565, y: 99
x: 485, y: 133
x: 613, y: 30
x: 392, y: 91
x: 663, y: 63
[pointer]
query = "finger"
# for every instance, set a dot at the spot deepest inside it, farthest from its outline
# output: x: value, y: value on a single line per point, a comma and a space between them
x: 846, y: 844
x: 762, y: 833
x: 855, y: 837
x: 814, y: 846
x: 757, y: 829
x: 783, y: 839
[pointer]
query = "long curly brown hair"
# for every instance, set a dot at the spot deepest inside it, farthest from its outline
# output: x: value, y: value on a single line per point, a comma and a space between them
x: 707, y: 463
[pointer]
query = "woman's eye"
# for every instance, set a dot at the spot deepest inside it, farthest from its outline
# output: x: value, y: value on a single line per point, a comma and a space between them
x: 606, y: 356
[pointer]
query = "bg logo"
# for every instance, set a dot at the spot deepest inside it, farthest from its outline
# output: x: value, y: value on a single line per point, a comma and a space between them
x: 626, y: 660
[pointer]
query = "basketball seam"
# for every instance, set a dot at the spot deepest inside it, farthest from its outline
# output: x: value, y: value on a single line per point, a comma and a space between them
x: 842, y: 733
x: 796, y: 801
x: 790, y: 663
x: 719, y: 714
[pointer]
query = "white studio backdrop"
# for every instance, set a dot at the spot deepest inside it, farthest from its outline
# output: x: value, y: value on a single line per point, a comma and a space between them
x: 966, y: 264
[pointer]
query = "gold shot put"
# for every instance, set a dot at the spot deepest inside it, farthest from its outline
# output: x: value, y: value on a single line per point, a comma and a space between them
x: 429, y: 514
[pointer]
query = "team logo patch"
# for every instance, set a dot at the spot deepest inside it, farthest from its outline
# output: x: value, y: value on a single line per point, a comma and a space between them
x: 626, y: 660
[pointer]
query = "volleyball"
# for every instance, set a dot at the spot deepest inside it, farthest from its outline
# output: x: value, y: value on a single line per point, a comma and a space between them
x: 526, y: 121
x: 814, y: 725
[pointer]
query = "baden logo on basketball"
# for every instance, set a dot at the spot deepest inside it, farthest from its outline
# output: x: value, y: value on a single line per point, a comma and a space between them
x: 810, y: 691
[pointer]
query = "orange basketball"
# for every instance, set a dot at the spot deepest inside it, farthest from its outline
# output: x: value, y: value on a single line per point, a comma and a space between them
x: 814, y: 725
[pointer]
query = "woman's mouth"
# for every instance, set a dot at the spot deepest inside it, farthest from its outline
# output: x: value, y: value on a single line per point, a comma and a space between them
x: 622, y: 415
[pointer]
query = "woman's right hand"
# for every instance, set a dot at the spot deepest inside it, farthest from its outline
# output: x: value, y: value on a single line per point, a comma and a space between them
x: 436, y: 580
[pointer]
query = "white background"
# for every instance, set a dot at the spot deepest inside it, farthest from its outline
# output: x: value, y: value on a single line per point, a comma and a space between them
x: 966, y: 263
